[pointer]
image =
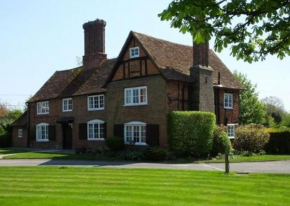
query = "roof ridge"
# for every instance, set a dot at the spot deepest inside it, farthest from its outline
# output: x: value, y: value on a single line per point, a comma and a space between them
x: 66, y: 70
x: 159, y: 39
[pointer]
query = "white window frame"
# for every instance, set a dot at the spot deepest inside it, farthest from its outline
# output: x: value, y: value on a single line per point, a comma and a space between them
x: 98, y: 107
x: 231, y: 134
x: 66, y: 101
x: 43, y: 107
x: 132, y: 96
x: 99, y: 123
x: 230, y: 105
x: 46, y: 132
x: 136, y: 52
x: 132, y: 125
x: 20, y: 133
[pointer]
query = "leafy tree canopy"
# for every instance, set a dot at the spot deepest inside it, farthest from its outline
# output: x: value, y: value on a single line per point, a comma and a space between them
x: 253, y: 28
x: 251, y: 109
x: 275, y: 108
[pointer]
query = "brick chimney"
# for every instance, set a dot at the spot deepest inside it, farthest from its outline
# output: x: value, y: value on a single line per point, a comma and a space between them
x: 201, y: 94
x: 94, y: 43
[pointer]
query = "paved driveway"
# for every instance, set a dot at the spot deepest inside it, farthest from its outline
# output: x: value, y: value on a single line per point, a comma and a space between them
x: 269, y: 167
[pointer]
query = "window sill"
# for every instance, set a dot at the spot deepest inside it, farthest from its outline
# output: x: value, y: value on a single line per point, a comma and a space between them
x: 133, y: 105
x: 96, y: 109
x: 137, y: 144
x: 66, y: 110
x: 232, y: 137
x: 42, y: 140
x: 42, y: 113
x: 228, y: 107
x: 97, y: 139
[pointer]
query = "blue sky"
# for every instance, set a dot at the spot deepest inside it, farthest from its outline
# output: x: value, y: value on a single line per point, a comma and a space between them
x: 39, y: 37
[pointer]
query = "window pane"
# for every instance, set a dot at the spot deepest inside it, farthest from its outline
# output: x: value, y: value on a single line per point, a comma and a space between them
x: 143, y: 97
x: 129, y: 134
x: 91, y: 131
x: 128, y: 96
x: 136, y: 134
x: 135, y: 96
x: 101, y: 131
x: 101, y: 101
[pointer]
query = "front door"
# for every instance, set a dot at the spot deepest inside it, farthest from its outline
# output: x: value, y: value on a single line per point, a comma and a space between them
x: 67, y: 136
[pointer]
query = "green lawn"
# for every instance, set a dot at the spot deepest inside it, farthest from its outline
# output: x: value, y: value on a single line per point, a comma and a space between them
x: 106, y: 186
x: 258, y: 158
x: 49, y: 155
x: 11, y: 150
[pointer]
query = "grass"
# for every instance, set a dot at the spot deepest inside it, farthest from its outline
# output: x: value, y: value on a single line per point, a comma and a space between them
x: 45, y: 186
x: 52, y: 155
x: 257, y: 158
x: 4, y: 151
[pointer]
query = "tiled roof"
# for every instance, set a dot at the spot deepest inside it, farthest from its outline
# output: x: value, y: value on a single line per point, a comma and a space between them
x: 174, y: 60
x: 21, y: 121
x: 73, y: 82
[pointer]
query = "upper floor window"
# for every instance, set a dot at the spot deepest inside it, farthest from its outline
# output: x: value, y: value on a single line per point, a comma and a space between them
x: 96, y: 130
x: 228, y: 101
x: 43, y: 107
x: 134, y: 52
x: 96, y: 102
x: 67, y: 105
x: 42, y: 132
x: 135, y: 133
x: 231, y: 131
x: 136, y: 96
x: 20, y: 133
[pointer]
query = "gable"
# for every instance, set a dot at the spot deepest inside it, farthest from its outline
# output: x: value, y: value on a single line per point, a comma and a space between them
x: 128, y: 67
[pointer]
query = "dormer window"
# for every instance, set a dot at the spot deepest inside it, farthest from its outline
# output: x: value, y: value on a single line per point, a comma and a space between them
x: 134, y: 52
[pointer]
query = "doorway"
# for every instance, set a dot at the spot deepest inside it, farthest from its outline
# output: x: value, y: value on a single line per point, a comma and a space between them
x: 67, y: 136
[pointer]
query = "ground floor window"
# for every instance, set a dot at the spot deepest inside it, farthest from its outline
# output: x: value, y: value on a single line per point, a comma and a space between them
x: 96, y: 129
x: 231, y: 131
x: 42, y: 132
x: 135, y: 133
x: 20, y: 133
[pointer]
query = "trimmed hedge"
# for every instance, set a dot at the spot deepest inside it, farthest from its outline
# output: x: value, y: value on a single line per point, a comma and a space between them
x: 279, y: 142
x: 115, y: 144
x: 5, y: 140
x: 252, y: 137
x: 221, y: 142
x: 191, y: 132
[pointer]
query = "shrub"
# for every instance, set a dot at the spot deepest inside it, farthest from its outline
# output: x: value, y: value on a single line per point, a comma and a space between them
x: 191, y: 133
x: 251, y: 138
x: 136, y: 155
x: 279, y: 142
x: 5, y: 140
x: 2, y: 131
x: 155, y: 154
x: 221, y: 142
x: 115, y: 144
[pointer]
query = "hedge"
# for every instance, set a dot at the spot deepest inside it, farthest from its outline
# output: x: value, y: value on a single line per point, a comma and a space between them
x: 279, y: 142
x: 191, y: 132
x: 221, y: 142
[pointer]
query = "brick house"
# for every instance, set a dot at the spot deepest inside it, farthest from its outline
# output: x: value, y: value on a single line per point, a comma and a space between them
x: 129, y: 96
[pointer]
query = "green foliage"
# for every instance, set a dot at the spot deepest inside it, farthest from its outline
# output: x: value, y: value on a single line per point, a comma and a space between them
x: 5, y: 140
x: 155, y: 154
x: 221, y: 142
x: 254, y: 29
x: 2, y: 131
x: 275, y: 109
x: 286, y: 121
x: 115, y: 143
x: 252, y: 138
x: 250, y: 108
x: 191, y: 133
x: 279, y: 142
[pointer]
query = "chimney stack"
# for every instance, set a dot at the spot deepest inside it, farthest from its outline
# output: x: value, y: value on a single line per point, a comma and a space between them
x: 94, y: 43
x: 201, y: 95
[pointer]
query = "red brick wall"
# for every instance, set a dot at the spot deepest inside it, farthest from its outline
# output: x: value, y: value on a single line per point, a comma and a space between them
x: 19, y: 141
x: 81, y: 115
x: 226, y: 116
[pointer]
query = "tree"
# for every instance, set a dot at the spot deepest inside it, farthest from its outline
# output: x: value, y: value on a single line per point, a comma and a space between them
x: 275, y: 108
x: 254, y: 28
x: 286, y: 120
x: 251, y: 109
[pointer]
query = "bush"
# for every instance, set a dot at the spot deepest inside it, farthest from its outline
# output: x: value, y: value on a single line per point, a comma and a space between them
x: 115, y: 144
x: 221, y: 142
x: 2, y: 130
x: 5, y: 140
x: 279, y: 142
x: 155, y: 154
x: 252, y: 138
x: 136, y: 155
x: 191, y: 133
